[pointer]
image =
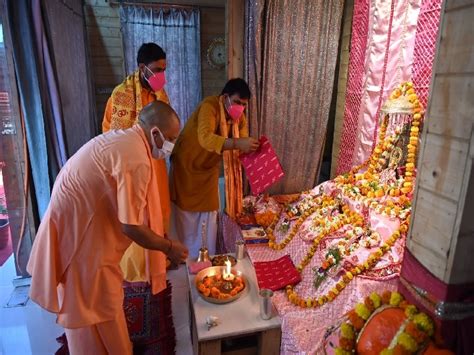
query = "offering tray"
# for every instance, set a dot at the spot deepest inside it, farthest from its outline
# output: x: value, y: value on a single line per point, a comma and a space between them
x: 220, y: 289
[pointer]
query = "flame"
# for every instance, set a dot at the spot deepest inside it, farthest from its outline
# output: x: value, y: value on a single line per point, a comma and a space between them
x: 226, y: 273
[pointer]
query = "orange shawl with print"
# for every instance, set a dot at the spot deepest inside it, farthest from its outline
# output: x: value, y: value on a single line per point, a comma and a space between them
x: 127, y: 101
x: 232, y: 167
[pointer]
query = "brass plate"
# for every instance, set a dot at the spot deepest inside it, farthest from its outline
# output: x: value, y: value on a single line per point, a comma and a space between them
x: 215, y: 270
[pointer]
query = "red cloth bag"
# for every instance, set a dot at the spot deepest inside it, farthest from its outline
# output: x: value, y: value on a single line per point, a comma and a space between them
x: 262, y: 167
x: 276, y: 274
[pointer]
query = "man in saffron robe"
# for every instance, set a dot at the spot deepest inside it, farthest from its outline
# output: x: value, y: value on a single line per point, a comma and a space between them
x: 145, y: 85
x: 105, y: 197
x: 217, y: 131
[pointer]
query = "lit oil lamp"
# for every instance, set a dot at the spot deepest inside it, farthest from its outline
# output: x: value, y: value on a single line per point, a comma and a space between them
x: 227, y: 276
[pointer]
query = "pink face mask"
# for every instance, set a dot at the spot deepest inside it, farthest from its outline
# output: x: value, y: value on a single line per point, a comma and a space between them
x: 235, y: 111
x: 157, y: 80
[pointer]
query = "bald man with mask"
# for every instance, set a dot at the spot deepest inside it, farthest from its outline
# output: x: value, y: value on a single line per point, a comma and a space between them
x: 104, y: 198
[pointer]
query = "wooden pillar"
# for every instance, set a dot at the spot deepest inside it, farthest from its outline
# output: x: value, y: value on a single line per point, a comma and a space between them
x: 235, y: 22
x: 442, y: 231
x: 14, y: 153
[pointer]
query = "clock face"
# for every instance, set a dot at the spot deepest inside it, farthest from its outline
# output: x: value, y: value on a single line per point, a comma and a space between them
x: 216, y: 53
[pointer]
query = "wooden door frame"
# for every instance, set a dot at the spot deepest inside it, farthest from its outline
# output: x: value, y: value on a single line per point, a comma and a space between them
x: 22, y: 221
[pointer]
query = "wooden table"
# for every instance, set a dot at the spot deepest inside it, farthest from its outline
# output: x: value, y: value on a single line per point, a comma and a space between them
x: 236, y: 319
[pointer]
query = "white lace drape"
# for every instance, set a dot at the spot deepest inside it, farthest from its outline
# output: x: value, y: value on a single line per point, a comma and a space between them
x: 177, y: 31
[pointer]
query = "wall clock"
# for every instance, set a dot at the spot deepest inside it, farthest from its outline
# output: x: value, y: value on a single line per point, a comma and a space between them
x: 216, y: 53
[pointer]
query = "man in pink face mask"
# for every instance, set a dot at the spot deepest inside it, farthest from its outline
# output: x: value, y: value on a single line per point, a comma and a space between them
x: 216, y: 132
x: 145, y: 85
x: 142, y: 87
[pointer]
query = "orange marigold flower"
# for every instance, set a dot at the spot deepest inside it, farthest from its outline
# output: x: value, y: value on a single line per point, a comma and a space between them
x: 346, y: 344
x: 403, y: 304
x: 359, y: 324
x: 415, y: 333
x: 369, y: 304
x: 400, y: 350
x: 386, y: 297
x: 356, y: 321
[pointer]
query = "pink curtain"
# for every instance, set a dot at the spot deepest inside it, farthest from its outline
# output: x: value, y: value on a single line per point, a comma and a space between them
x: 291, y: 54
x: 393, y: 41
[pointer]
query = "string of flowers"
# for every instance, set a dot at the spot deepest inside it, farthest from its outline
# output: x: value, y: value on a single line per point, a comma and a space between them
x: 348, y: 217
x: 366, y: 187
x: 411, y: 337
x: 320, y: 203
x: 346, y: 278
x: 354, y: 238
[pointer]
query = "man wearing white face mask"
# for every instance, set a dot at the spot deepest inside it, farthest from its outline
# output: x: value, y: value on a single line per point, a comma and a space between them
x: 216, y: 132
x: 165, y: 151
x: 104, y: 198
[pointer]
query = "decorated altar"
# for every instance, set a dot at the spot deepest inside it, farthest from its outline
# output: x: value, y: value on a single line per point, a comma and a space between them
x: 346, y: 237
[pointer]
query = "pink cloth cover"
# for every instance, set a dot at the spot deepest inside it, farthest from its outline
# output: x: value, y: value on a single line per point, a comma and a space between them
x: 276, y: 274
x: 392, y: 42
x: 262, y: 167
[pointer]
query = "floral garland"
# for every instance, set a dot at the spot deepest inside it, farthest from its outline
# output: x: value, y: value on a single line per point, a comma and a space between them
x: 354, y: 238
x: 392, y: 200
x: 412, y: 336
x: 305, y: 210
x: 333, y: 258
x: 345, y: 279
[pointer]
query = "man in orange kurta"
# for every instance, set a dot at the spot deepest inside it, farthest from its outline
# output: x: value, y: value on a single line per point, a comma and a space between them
x: 145, y: 85
x: 216, y: 132
x: 104, y: 198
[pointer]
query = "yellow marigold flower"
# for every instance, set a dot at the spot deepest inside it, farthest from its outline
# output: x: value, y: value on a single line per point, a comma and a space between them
x: 424, y: 322
x: 349, y: 275
x: 347, y: 331
x: 339, y: 351
x: 362, y: 311
x: 376, y: 299
x: 410, y: 311
x: 395, y: 299
x: 407, y: 342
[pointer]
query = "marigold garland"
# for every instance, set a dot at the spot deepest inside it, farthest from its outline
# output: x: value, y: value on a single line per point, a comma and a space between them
x: 408, y: 341
x: 367, y: 188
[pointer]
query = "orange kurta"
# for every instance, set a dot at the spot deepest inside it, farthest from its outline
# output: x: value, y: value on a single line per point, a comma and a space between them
x: 75, y: 258
x: 197, y: 156
x: 122, y: 110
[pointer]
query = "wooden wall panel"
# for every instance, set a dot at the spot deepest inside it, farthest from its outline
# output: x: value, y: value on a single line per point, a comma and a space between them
x: 212, y: 27
x: 106, y: 49
x: 442, y: 232
x: 439, y: 170
x: 452, y: 92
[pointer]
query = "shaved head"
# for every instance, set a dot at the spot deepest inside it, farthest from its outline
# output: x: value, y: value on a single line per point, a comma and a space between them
x: 159, y: 114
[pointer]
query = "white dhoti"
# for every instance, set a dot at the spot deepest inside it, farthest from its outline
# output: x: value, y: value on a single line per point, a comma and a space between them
x: 187, y: 227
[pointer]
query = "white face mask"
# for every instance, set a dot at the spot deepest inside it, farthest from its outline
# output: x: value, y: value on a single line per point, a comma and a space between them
x: 163, y: 152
